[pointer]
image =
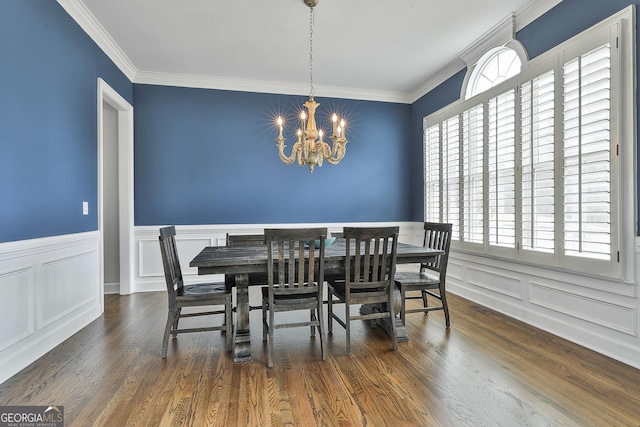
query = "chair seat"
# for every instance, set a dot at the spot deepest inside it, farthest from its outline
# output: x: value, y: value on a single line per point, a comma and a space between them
x: 419, y: 280
x: 340, y: 289
x: 311, y: 295
x: 203, y: 290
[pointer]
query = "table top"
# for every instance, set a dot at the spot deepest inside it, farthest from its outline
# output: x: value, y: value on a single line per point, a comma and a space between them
x: 253, y: 259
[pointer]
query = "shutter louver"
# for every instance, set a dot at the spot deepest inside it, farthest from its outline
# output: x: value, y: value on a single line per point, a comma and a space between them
x: 501, y: 164
x: 451, y: 174
x: 432, y: 173
x: 586, y: 155
x: 473, y: 174
x: 537, y: 151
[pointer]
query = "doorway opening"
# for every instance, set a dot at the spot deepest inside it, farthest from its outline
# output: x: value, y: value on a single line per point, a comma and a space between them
x: 115, y: 191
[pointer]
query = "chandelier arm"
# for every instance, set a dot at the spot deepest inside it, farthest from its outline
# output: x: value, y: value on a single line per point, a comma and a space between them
x: 287, y: 160
x: 338, y: 151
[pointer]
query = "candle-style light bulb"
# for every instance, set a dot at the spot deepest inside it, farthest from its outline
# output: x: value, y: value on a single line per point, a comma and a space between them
x: 303, y: 117
x: 320, y: 133
x: 334, y: 119
x: 343, y: 125
x: 280, y: 121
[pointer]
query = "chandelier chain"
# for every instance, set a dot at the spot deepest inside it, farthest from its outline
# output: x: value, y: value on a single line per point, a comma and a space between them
x: 311, y: 24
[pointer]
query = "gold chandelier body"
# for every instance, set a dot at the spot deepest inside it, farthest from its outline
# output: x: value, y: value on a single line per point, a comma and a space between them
x: 310, y: 149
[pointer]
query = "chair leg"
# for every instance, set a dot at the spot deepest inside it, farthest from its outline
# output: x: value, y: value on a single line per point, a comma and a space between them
x: 313, y: 328
x: 270, y: 340
x: 392, y: 323
x: 264, y: 322
x: 175, y: 321
x: 403, y: 304
x: 445, y: 307
x: 347, y: 322
x: 322, y: 332
x: 228, y: 331
x: 171, y: 320
x: 425, y: 303
x: 330, y: 312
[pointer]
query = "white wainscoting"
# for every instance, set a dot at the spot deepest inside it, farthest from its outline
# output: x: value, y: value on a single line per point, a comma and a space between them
x: 191, y: 239
x: 50, y: 289
x: 600, y: 314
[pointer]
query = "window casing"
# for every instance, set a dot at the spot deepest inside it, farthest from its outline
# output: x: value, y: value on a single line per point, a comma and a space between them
x: 530, y: 167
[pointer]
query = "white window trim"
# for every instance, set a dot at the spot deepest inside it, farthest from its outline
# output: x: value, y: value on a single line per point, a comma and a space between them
x: 623, y: 133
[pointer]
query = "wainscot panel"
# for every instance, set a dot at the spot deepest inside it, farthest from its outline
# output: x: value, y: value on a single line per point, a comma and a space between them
x: 50, y: 289
x: 595, y: 312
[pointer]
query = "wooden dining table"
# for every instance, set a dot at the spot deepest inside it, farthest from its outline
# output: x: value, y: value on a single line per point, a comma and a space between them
x: 248, y: 266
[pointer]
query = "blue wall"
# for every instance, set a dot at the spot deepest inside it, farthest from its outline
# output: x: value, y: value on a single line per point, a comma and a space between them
x: 567, y: 19
x: 210, y: 157
x: 48, y: 120
x: 213, y: 151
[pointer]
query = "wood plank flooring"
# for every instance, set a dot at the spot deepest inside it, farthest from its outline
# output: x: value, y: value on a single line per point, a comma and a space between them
x: 487, y: 370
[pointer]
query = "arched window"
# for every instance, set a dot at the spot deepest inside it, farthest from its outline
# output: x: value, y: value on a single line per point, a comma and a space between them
x: 493, y: 68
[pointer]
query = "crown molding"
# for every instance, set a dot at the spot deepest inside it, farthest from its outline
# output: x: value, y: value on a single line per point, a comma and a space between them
x: 258, y: 86
x: 94, y: 29
x: 533, y: 11
x: 499, y: 35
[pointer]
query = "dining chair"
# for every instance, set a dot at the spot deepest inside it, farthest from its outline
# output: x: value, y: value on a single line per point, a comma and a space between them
x: 195, y: 295
x: 368, y: 279
x: 430, y: 277
x: 295, y: 274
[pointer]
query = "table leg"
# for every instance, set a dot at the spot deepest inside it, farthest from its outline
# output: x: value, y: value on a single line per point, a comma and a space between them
x: 242, y: 339
x: 384, y: 322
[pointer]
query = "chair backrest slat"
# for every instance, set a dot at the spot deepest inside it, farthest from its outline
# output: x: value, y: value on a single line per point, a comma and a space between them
x: 299, y: 263
x: 374, y: 257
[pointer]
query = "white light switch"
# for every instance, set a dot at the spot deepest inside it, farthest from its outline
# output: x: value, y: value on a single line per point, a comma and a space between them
x: 85, y: 208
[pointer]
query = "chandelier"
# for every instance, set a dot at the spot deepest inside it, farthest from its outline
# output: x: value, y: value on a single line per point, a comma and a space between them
x: 310, y: 147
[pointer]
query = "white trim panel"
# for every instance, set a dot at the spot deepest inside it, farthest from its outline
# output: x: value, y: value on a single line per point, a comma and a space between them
x: 51, y: 289
x: 595, y: 312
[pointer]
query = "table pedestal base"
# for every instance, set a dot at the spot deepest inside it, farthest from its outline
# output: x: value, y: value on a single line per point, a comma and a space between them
x: 241, y: 338
x: 401, y: 331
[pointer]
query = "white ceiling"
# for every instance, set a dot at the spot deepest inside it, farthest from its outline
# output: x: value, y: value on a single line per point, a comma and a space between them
x: 393, y: 46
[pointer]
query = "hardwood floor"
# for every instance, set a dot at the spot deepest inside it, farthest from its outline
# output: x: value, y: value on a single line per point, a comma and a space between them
x: 487, y: 370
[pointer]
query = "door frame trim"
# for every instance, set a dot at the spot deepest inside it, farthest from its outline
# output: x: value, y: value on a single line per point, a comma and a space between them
x: 125, y: 184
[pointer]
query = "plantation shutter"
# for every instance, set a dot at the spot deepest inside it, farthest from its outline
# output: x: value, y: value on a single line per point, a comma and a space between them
x: 501, y: 165
x: 451, y: 173
x: 537, y: 151
x: 432, y: 173
x: 586, y: 154
x: 472, y: 174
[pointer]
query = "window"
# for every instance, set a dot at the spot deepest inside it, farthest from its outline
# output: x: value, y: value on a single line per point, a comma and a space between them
x: 493, y: 68
x: 527, y: 168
